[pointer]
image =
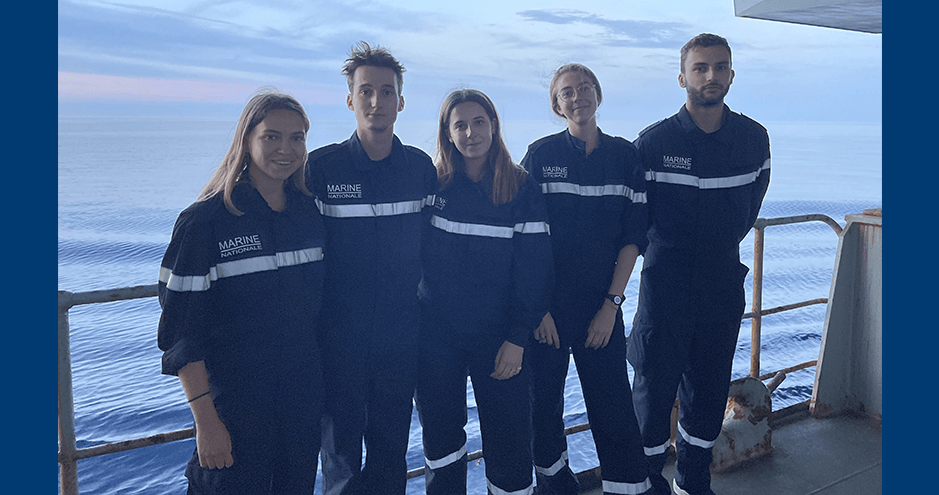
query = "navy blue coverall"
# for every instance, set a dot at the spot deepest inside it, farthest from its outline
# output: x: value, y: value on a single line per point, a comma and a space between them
x: 596, y: 206
x: 243, y: 294
x: 487, y: 279
x: 373, y: 215
x: 705, y: 192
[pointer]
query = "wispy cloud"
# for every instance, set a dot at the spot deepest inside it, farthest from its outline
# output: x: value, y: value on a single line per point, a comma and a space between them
x: 90, y: 87
x: 617, y: 32
x: 222, y: 47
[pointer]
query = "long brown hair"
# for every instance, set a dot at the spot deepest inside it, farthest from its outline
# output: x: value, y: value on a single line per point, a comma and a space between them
x: 234, y: 166
x: 506, y: 175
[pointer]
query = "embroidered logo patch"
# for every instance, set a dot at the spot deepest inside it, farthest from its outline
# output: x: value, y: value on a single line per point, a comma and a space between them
x: 554, y: 172
x: 439, y: 203
x: 676, y: 162
x: 344, y: 191
x: 240, y: 244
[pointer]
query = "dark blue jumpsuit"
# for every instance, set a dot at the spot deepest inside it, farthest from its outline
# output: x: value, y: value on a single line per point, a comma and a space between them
x: 243, y: 293
x: 487, y: 279
x: 373, y: 216
x: 597, y: 206
x: 705, y: 192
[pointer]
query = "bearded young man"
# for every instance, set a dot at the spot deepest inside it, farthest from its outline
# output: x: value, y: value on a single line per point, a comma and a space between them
x: 707, y: 169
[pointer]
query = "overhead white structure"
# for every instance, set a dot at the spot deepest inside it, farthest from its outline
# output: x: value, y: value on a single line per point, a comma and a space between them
x: 853, y: 15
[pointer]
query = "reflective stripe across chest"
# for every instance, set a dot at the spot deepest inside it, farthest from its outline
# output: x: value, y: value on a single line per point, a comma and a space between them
x: 593, y: 191
x: 484, y: 230
x: 706, y: 182
x: 373, y: 210
x: 245, y: 266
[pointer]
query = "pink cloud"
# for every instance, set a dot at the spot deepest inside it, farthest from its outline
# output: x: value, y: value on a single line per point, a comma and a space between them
x: 78, y: 86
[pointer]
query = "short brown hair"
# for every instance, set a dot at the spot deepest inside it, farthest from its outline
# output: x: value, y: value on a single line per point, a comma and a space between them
x: 702, y: 40
x: 363, y: 54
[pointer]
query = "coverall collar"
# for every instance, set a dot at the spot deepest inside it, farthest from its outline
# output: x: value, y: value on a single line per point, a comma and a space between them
x: 360, y: 158
x: 725, y: 134
x: 581, y: 146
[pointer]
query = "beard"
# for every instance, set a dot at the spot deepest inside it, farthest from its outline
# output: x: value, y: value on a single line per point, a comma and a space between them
x: 698, y: 99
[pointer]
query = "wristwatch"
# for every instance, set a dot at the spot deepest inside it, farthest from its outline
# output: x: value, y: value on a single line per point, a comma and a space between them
x: 617, y: 299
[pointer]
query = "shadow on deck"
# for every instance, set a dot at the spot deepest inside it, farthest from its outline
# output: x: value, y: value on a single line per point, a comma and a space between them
x: 838, y: 455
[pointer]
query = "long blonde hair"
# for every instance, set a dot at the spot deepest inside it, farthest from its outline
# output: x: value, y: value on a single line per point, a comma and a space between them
x: 506, y: 175
x: 234, y: 166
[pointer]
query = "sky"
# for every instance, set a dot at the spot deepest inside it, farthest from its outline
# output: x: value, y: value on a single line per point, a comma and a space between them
x: 206, y: 58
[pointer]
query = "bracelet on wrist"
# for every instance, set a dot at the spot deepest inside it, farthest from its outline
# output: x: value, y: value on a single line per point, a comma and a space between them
x: 203, y: 394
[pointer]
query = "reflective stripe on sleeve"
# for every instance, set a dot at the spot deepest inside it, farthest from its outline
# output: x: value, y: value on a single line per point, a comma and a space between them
x: 593, y: 191
x: 199, y: 283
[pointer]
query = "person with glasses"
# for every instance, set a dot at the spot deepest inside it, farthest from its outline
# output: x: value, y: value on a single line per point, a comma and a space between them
x: 596, y: 194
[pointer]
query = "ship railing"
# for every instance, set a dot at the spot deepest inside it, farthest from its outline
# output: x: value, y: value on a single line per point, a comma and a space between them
x: 70, y: 454
x: 757, y: 312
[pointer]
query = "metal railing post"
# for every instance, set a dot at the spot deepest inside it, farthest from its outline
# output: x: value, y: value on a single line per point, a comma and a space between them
x: 68, y: 462
x: 756, y: 321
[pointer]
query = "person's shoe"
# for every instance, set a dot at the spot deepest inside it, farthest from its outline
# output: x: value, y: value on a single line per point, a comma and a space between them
x: 681, y: 491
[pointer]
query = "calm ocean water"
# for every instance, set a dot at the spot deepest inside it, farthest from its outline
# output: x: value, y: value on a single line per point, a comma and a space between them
x: 123, y: 181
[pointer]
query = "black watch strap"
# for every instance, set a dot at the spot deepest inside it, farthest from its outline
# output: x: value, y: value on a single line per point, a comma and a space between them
x: 618, y: 299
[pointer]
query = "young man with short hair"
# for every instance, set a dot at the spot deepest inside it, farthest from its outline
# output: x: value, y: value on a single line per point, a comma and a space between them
x: 371, y: 191
x: 707, y: 170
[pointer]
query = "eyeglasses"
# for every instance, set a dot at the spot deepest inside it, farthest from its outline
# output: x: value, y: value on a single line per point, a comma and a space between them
x: 568, y: 93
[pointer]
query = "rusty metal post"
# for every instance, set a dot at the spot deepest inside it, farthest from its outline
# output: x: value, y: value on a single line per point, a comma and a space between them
x: 756, y: 320
x: 68, y: 463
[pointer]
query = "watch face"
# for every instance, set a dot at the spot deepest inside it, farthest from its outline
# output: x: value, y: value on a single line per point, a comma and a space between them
x: 618, y: 299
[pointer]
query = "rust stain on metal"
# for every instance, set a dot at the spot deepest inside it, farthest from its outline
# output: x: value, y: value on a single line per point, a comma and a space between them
x: 745, y: 433
x: 819, y: 409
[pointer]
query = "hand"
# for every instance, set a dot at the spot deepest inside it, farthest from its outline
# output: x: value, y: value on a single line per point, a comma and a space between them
x: 547, y: 333
x: 508, y: 361
x: 601, y: 327
x: 214, y: 445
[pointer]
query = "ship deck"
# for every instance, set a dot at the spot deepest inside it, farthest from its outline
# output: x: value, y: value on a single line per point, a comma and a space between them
x: 833, y: 456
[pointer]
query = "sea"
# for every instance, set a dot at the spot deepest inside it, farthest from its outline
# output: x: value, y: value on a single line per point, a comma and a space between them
x: 123, y: 181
